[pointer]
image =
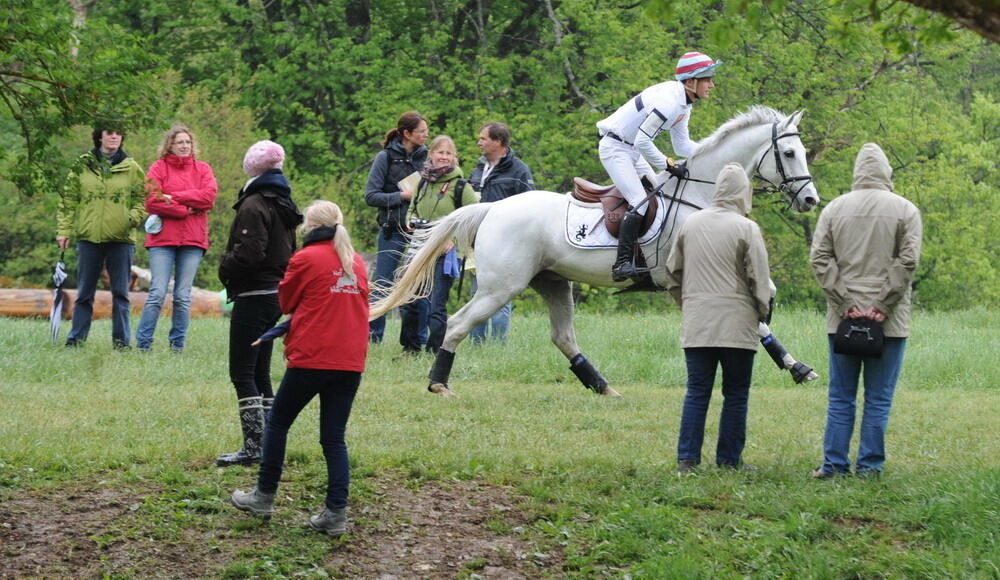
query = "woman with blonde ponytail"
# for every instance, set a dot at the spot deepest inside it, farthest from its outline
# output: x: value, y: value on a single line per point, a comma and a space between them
x: 325, y: 290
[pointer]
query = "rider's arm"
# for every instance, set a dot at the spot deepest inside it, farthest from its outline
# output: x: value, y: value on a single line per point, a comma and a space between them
x: 681, y: 140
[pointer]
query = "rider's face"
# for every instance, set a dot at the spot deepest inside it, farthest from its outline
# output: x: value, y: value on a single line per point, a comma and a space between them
x: 699, y: 88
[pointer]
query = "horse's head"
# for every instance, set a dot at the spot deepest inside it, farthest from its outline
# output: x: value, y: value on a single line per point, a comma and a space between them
x: 782, y: 164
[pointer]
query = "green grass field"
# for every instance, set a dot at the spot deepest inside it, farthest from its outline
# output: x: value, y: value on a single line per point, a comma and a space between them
x: 593, y: 478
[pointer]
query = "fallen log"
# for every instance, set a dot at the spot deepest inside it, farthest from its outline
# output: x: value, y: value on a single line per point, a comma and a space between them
x: 27, y: 303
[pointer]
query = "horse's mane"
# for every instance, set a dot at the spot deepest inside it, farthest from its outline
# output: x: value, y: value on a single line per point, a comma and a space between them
x: 757, y: 115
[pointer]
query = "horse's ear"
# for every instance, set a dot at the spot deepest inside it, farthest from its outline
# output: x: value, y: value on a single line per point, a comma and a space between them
x: 794, y: 118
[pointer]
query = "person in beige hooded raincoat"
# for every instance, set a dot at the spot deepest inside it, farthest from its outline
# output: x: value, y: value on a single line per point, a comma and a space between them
x: 717, y: 272
x: 864, y: 253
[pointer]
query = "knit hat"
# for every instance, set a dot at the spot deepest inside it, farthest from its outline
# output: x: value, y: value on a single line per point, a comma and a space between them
x: 261, y: 156
x: 695, y: 65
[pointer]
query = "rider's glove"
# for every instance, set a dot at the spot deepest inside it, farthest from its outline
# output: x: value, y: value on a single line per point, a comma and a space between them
x: 678, y: 170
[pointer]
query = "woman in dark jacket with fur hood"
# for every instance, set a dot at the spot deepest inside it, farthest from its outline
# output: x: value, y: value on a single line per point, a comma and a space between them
x: 261, y: 242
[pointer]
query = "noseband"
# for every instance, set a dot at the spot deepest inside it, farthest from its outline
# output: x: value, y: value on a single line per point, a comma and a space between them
x: 787, y: 183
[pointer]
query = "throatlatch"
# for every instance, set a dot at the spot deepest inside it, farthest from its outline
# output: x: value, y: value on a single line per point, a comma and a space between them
x: 587, y: 374
x: 441, y: 369
x: 800, y: 371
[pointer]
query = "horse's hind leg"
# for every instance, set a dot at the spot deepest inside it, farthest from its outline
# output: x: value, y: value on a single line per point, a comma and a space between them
x: 558, y: 295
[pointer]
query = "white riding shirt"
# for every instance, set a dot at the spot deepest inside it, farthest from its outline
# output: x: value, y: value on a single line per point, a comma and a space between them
x: 661, y: 107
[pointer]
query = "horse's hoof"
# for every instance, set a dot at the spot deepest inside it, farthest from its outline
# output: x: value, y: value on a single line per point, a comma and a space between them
x: 440, y: 389
x: 802, y: 373
x: 609, y: 392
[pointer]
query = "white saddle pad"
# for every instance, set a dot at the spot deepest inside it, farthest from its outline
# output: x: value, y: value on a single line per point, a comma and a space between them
x: 586, y: 229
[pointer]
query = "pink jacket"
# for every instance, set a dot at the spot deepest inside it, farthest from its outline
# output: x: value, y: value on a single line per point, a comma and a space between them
x: 192, y: 189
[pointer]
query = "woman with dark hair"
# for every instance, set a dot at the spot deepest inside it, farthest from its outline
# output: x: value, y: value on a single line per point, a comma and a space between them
x: 182, y: 190
x: 99, y: 206
x: 403, y: 153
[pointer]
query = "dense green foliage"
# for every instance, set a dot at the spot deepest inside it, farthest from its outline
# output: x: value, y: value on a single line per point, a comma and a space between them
x: 328, y: 79
x: 595, y: 474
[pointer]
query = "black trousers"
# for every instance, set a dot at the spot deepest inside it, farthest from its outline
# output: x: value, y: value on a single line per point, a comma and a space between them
x: 250, y: 366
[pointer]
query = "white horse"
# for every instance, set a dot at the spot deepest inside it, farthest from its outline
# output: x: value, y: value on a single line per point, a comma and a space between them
x: 522, y: 241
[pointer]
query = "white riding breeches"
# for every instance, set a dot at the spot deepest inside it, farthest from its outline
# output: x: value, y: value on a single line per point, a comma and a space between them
x: 625, y: 166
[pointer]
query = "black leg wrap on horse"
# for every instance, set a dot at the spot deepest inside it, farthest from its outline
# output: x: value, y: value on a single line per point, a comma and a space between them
x: 775, y: 350
x: 441, y: 369
x: 800, y: 372
x: 587, y: 374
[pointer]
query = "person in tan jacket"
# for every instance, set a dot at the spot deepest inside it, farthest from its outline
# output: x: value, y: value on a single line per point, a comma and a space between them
x: 864, y: 253
x: 718, y: 273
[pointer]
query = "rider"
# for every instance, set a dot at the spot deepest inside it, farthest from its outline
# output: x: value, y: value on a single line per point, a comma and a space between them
x: 627, y: 150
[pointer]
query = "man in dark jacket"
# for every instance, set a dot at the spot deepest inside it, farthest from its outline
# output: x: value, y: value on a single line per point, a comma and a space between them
x: 498, y: 175
x: 261, y: 242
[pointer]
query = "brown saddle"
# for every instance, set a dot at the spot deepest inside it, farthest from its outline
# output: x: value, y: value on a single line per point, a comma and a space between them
x: 613, y: 203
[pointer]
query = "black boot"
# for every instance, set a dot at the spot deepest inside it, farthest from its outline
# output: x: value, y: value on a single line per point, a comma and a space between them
x: 252, y: 423
x: 628, y: 234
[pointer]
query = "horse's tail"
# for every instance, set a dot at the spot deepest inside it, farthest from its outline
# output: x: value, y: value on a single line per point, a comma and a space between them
x: 415, y: 275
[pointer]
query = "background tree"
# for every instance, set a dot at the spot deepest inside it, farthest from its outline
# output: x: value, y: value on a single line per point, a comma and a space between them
x: 56, y: 71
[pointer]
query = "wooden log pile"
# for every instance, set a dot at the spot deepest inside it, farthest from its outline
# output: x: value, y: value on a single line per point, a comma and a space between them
x: 26, y: 303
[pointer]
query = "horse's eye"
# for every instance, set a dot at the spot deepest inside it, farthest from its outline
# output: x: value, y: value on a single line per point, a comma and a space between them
x: 790, y: 153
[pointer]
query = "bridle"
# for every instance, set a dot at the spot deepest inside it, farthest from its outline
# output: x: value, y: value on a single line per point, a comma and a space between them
x: 787, y: 183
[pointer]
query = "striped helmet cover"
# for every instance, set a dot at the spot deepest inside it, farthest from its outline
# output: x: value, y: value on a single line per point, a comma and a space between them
x: 695, y: 65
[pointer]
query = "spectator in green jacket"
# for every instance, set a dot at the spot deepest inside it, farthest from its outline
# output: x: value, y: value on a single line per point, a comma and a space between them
x: 99, y: 208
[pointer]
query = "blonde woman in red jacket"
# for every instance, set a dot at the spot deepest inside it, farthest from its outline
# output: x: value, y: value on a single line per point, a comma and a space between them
x: 325, y: 289
x: 181, y: 191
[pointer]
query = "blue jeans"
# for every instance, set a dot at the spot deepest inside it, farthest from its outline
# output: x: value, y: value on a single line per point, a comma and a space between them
x: 336, y: 390
x: 498, y: 323
x: 386, y: 260
x: 737, y: 370
x: 164, y: 261
x: 880, y: 384
x: 429, y: 315
x: 91, y: 259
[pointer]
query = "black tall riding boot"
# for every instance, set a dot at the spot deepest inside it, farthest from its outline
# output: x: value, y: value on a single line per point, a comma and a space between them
x: 252, y: 424
x: 628, y: 235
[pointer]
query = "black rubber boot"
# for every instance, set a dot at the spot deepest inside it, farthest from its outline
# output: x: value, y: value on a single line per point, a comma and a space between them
x: 252, y: 423
x: 628, y: 234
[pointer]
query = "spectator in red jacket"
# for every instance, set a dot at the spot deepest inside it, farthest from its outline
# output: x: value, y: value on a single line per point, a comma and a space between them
x: 181, y: 191
x: 325, y: 289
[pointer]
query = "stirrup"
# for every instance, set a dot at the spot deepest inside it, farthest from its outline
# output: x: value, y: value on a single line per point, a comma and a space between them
x: 626, y: 271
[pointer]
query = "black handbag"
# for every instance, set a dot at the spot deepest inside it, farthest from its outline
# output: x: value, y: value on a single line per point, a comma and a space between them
x: 859, y: 337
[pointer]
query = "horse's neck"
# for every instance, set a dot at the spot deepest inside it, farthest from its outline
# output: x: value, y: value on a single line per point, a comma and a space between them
x: 740, y: 147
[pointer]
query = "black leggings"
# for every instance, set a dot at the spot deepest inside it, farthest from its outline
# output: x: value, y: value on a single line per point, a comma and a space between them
x: 250, y: 366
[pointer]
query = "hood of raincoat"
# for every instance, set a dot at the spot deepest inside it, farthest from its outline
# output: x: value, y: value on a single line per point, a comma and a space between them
x: 872, y: 169
x: 732, y: 189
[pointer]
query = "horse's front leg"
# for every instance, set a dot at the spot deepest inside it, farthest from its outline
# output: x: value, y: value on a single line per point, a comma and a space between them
x: 558, y: 295
x: 800, y: 371
x: 479, y: 308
